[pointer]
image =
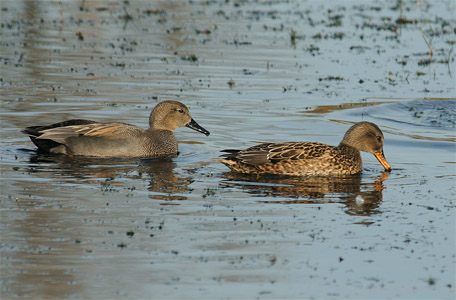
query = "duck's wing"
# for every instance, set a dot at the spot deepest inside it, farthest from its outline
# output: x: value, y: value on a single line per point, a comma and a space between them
x: 99, y: 130
x: 35, y: 131
x: 277, y: 152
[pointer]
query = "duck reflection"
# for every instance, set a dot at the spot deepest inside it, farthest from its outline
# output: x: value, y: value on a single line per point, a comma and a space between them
x: 362, y: 197
x: 164, y: 182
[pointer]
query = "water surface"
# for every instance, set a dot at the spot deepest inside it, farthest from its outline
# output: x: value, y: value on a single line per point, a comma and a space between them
x: 250, y: 72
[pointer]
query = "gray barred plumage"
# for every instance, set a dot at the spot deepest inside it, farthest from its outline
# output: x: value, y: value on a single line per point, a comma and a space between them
x: 90, y: 138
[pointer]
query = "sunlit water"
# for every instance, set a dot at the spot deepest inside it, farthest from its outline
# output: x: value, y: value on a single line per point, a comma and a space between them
x: 250, y: 71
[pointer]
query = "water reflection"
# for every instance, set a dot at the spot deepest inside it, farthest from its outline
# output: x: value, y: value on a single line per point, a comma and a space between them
x: 361, y: 198
x: 59, y: 226
x: 164, y: 182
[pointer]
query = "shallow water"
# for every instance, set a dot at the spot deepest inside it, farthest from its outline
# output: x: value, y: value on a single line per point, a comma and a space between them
x: 250, y: 71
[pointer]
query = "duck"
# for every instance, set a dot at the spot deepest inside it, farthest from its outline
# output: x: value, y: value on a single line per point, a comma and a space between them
x: 310, y: 158
x: 79, y: 137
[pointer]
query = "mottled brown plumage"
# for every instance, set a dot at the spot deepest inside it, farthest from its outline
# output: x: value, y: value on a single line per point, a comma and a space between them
x: 90, y: 138
x: 311, y: 158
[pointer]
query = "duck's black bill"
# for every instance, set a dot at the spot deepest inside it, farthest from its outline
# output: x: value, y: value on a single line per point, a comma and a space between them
x: 195, y: 126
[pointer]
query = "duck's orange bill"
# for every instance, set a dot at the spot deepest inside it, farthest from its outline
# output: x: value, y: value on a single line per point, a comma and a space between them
x: 381, y: 158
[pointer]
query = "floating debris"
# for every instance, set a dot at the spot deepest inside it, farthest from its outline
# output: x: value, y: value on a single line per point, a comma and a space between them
x: 359, y: 200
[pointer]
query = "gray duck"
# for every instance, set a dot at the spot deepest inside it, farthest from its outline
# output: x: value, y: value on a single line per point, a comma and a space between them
x: 115, y: 139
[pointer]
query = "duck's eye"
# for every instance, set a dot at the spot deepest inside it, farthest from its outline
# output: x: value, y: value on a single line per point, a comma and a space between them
x: 181, y: 111
x: 379, y: 138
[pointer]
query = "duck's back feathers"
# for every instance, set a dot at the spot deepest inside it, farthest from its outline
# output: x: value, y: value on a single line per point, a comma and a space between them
x: 44, y: 145
x: 277, y: 152
x: 294, y: 158
x: 35, y: 130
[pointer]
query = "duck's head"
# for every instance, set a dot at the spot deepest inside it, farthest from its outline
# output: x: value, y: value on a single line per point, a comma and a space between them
x: 367, y: 137
x: 169, y: 115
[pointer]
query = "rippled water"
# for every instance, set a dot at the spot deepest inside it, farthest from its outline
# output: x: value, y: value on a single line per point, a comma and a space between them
x: 250, y: 71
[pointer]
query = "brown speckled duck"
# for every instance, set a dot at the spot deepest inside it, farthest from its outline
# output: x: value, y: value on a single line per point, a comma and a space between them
x: 311, y: 158
x: 96, y: 139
